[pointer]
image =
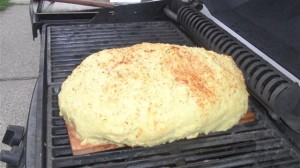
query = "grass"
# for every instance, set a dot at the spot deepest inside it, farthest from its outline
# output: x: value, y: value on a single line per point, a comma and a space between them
x: 4, y: 4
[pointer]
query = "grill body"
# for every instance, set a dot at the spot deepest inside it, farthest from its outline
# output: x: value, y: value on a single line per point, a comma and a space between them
x: 266, y: 142
x: 253, y: 144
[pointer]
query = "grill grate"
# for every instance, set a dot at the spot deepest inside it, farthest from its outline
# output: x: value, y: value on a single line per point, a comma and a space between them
x: 69, y: 45
x: 252, y: 144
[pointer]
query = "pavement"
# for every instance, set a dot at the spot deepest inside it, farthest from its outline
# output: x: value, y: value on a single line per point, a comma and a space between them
x: 19, y: 61
x: 22, y: 2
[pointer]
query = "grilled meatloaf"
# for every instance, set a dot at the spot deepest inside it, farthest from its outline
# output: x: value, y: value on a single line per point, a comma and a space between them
x: 152, y: 93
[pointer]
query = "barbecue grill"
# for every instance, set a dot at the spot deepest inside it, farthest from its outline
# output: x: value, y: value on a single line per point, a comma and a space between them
x: 271, y: 71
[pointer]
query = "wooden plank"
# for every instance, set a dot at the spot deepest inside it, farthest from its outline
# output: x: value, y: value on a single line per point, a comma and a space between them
x: 80, y: 149
x: 248, y: 117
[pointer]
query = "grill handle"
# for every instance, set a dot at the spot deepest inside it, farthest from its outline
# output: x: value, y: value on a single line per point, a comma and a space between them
x: 87, y: 3
x: 13, y: 157
x: 12, y: 137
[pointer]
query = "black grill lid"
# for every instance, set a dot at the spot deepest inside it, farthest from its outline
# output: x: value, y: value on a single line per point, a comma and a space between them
x: 273, y: 26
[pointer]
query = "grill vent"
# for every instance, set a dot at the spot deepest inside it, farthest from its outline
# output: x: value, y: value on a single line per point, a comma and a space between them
x: 262, y: 79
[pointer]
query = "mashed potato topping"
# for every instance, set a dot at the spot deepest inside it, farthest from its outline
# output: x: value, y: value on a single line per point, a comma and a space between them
x: 152, y: 93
